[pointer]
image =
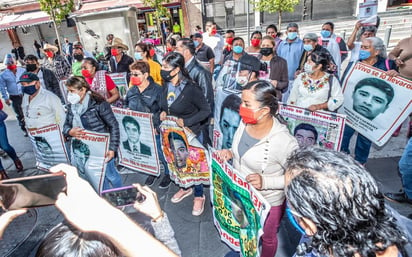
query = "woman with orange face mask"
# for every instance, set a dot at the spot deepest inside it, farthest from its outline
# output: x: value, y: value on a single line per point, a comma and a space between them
x: 255, y: 40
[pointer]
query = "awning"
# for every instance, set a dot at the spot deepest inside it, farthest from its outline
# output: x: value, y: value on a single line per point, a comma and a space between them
x: 23, y: 20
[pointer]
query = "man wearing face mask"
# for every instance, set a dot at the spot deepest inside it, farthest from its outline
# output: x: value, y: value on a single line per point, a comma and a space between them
x: 48, y: 79
x: 229, y: 36
x: 291, y: 50
x: 55, y: 62
x: 204, y: 54
x: 216, y: 42
x: 78, y: 56
x: 41, y: 107
x: 11, y: 90
x: 68, y: 50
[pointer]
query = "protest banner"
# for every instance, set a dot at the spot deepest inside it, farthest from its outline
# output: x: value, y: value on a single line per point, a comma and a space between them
x: 48, y: 146
x: 138, y: 150
x: 368, y: 13
x: 239, y: 211
x: 121, y: 83
x: 88, y: 156
x: 186, y: 157
x: 63, y: 90
x: 321, y: 128
x: 375, y: 104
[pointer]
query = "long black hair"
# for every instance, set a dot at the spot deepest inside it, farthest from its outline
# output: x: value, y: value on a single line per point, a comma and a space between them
x: 175, y: 60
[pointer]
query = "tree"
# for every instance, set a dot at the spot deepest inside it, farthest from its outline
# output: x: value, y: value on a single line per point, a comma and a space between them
x: 57, y: 10
x: 276, y: 6
x: 159, y: 11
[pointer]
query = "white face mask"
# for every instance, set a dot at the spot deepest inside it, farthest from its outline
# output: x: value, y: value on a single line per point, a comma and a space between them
x: 73, y: 98
x: 308, y: 68
x: 242, y: 80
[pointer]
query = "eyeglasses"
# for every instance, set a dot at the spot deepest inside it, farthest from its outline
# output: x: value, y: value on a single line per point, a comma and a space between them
x: 135, y: 74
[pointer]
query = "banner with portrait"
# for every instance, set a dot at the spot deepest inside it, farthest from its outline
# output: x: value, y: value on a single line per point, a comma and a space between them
x: 137, y: 150
x: 88, y: 156
x: 120, y: 79
x: 320, y: 128
x: 375, y: 104
x: 48, y: 146
x: 186, y: 157
x: 239, y: 210
x: 226, y: 117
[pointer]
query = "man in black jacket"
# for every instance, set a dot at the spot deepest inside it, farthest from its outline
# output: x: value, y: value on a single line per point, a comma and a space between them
x: 47, y: 77
x: 199, y: 75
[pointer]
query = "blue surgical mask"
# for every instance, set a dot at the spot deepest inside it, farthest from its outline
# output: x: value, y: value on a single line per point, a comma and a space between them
x: 308, y: 47
x: 293, y: 221
x: 30, y: 90
x: 138, y: 56
x: 292, y: 35
x: 325, y: 33
x: 196, y: 43
x: 237, y: 49
x: 363, y: 55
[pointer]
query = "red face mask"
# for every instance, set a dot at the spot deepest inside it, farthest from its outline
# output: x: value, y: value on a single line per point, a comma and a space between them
x: 229, y: 40
x: 214, y: 31
x: 49, y: 54
x: 169, y: 49
x: 152, y: 52
x: 114, y: 52
x: 247, y: 115
x: 274, y: 35
x: 86, y: 73
x: 255, y: 42
x: 12, y: 67
x: 136, y: 81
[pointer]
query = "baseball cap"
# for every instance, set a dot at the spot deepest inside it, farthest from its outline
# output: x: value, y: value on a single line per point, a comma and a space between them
x: 28, y: 77
x: 197, y: 35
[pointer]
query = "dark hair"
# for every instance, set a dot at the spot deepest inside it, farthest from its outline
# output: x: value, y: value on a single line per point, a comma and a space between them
x: 306, y: 126
x: 230, y: 31
x: 142, y: 66
x: 175, y: 60
x: 265, y: 94
x: 171, y: 41
x: 108, y: 36
x: 175, y: 136
x: 129, y: 119
x: 42, y: 140
x: 81, y: 147
x: 31, y: 57
x: 330, y: 24
x: 256, y: 32
x: 343, y: 200
x: 78, y: 83
x: 273, y: 26
x: 145, y: 48
x: 237, y: 39
x: 379, y: 84
x: 188, y: 44
x: 92, y: 62
x: 65, y: 240
x: 321, y: 57
x: 231, y: 102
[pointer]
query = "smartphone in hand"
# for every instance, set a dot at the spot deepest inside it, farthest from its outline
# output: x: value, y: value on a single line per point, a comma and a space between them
x: 123, y: 196
x: 33, y: 191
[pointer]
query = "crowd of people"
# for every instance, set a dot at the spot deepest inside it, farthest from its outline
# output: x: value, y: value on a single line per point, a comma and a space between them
x: 330, y: 196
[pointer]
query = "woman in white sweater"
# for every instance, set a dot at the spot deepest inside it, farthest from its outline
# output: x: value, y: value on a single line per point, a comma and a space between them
x: 315, y: 89
x: 259, y: 151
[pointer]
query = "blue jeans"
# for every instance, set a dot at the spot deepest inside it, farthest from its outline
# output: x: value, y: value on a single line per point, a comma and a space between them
x: 112, y: 176
x: 161, y: 156
x: 362, y: 147
x: 4, y: 144
x: 405, y: 168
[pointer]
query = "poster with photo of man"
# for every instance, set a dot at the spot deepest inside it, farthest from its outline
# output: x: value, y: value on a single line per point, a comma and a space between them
x: 375, y: 104
x: 137, y: 150
x: 121, y: 83
x: 88, y: 156
x: 187, y: 158
x: 48, y: 146
x: 320, y: 128
x: 239, y: 211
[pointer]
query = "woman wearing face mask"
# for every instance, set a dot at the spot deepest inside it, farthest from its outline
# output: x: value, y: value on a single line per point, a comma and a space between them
x: 277, y: 68
x: 145, y: 96
x: 255, y: 40
x: 315, y: 89
x: 184, y: 99
x: 373, y: 52
x: 89, y: 110
x: 99, y: 81
x: 259, y: 151
x: 142, y: 53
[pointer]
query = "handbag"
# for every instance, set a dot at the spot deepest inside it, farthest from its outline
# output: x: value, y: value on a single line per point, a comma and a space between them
x: 3, y: 115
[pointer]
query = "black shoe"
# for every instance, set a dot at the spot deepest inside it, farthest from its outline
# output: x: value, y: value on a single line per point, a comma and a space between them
x: 398, y: 197
x: 150, y: 180
x: 165, y: 182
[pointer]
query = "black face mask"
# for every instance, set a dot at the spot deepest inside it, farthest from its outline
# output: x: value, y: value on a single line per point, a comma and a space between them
x: 78, y: 57
x: 31, y: 67
x: 166, y: 75
x: 266, y: 51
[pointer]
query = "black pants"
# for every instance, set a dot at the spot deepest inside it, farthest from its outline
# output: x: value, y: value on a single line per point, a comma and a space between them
x: 16, y: 101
